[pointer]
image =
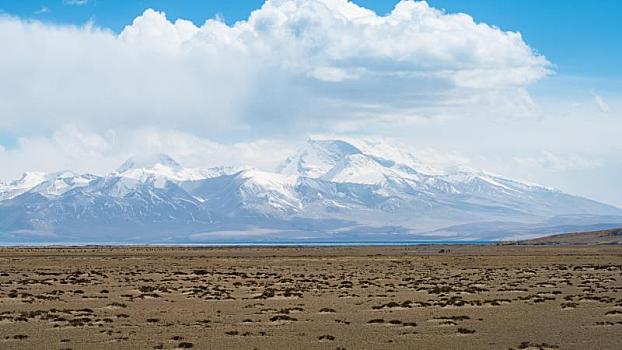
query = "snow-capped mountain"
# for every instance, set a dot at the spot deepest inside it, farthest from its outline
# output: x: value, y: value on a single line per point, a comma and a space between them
x: 329, y: 190
x: 317, y: 158
x: 24, y: 183
x: 162, y: 166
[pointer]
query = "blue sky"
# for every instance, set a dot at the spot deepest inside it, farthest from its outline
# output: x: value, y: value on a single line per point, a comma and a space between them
x: 546, y: 107
x: 580, y: 37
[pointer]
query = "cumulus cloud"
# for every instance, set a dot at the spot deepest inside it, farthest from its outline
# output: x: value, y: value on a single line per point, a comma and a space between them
x: 292, y: 66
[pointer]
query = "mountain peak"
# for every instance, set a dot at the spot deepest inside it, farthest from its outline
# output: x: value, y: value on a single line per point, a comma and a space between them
x: 317, y: 157
x: 334, y: 147
x: 148, y: 161
x: 29, y: 179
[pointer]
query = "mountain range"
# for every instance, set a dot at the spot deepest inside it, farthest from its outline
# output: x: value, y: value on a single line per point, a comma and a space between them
x: 330, y: 190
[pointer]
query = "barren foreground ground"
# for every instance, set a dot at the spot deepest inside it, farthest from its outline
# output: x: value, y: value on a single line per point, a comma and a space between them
x: 312, y: 298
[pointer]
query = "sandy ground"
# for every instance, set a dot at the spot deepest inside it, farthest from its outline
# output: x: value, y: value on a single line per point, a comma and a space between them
x: 472, y: 297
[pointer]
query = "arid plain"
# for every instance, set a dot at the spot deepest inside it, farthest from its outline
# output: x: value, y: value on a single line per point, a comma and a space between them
x: 415, y: 297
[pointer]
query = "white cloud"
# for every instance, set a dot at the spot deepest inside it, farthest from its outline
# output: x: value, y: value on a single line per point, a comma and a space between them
x: 293, y: 66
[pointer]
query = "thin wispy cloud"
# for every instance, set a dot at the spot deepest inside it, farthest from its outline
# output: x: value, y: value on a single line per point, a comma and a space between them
x: 42, y: 10
x: 75, y: 2
x: 600, y: 102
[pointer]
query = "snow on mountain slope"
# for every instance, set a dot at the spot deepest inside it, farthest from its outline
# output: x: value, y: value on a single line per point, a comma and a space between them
x: 149, y: 161
x: 345, y: 188
x: 396, y: 176
x: 14, y: 188
x: 162, y: 166
x: 275, y: 190
x: 400, y: 157
x: 47, y: 185
x: 248, y: 191
x: 89, y: 214
x: 317, y: 158
x: 57, y: 184
x: 371, y: 162
x: 362, y: 169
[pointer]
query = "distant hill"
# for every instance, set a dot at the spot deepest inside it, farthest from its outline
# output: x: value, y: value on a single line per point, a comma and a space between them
x: 613, y: 236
